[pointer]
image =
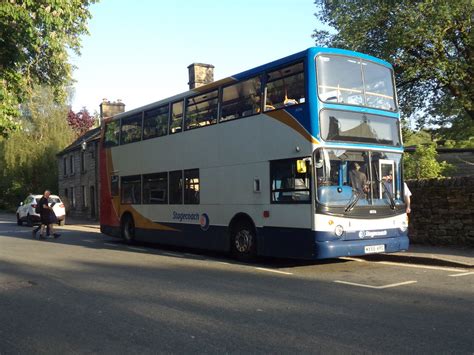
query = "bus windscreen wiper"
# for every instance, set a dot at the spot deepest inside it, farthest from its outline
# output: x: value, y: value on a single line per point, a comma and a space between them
x: 350, y: 206
x: 389, y: 194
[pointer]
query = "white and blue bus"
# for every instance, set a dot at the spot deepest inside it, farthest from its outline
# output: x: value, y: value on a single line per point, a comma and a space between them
x: 297, y: 158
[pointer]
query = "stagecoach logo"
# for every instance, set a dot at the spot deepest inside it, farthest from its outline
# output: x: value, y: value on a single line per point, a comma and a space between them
x: 204, y: 222
x: 185, y: 216
x: 371, y: 234
x: 203, y: 218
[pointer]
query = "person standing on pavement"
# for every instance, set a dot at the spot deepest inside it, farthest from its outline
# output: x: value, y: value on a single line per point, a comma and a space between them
x: 47, y: 216
x: 407, y: 197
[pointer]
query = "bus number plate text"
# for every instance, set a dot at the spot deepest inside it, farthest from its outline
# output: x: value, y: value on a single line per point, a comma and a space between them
x: 374, y: 249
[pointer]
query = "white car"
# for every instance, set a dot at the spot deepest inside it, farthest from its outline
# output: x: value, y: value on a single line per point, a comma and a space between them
x: 26, y: 210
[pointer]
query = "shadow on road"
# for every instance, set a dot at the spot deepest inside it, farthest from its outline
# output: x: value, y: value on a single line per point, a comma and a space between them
x: 92, y: 238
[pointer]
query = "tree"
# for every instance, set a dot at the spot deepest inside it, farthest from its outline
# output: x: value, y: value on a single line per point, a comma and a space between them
x: 28, y: 160
x: 422, y: 164
x: 34, y: 40
x: 429, y: 42
x: 416, y: 138
x: 80, y: 122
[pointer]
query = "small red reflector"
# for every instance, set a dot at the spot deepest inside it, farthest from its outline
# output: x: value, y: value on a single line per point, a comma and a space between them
x: 34, y: 205
x: 61, y: 205
x: 266, y: 214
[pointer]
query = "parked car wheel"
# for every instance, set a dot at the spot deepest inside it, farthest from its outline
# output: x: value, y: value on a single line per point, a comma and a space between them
x: 29, y: 221
x: 62, y: 222
x: 18, y: 220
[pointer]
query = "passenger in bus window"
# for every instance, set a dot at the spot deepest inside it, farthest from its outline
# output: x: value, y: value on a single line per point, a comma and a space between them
x: 289, y: 102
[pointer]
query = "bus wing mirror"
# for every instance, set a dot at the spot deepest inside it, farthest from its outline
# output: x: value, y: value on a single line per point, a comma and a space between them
x: 301, y: 166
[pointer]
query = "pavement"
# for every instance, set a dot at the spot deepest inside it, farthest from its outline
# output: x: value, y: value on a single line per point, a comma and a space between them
x: 417, y: 253
x: 456, y: 256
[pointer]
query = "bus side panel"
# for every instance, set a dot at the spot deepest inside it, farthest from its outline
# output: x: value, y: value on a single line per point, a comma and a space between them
x: 298, y: 243
x: 187, y: 235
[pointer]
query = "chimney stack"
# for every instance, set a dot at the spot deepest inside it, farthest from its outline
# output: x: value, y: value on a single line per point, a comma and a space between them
x: 109, y: 109
x: 200, y: 74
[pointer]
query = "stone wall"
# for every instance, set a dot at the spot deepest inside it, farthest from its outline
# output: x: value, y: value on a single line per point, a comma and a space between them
x: 442, y: 211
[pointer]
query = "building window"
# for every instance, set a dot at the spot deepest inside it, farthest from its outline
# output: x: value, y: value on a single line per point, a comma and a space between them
x: 73, y: 198
x: 191, y: 187
x: 155, y: 188
x: 71, y: 164
x: 65, y: 166
x: 131, y: 189
x: 241, y: 99
x: 83, y: 161
x: 176, y: 187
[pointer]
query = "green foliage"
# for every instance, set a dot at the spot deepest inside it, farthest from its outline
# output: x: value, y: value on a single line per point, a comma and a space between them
x: 461, y: 132
x: 422, y: 164
x: 34, y: 40
x: 28, y: 160
x: 411, y: 138
x: 429, y: 42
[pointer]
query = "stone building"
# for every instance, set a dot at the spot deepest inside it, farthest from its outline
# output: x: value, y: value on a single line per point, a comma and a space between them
x: 78, y: 176
x: 78, y: 169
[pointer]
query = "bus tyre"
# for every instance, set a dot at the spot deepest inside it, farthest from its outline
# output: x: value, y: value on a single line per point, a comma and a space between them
x: 244, y: 246
x: 128, y: 229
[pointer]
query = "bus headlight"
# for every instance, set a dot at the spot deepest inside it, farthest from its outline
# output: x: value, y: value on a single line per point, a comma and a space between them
x: 404, y: 226
x: 339, y: 231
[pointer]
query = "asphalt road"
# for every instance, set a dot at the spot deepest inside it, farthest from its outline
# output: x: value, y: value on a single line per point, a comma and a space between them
x: 88, y: 293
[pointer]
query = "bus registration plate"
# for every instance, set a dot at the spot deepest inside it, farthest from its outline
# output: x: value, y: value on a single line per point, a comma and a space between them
x: 374, y: 249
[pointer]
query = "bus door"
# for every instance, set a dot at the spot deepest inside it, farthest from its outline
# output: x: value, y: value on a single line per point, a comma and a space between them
x: 386, y: 174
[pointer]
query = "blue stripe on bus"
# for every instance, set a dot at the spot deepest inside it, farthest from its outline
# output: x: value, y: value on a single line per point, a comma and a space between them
x: 360, y: 109
x: 281, y: 242
x: 313, y: 51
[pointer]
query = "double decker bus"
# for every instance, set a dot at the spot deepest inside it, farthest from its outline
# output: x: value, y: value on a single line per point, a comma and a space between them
x: 297, y: 158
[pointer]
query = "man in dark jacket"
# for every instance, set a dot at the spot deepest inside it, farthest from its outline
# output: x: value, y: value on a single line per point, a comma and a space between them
x: 46, y: 216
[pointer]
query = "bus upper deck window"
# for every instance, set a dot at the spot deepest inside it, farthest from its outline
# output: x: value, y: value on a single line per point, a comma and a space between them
x: 285, y: 87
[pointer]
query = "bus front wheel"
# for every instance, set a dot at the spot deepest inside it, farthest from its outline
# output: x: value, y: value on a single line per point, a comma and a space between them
x: 128, y: 229
x: 244, y: 244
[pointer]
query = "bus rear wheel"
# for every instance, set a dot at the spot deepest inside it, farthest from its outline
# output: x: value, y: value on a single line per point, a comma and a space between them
x: 128, y: 229
x: 244, y: 246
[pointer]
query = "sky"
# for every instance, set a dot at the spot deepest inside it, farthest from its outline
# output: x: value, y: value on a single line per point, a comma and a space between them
x: 138, y: 51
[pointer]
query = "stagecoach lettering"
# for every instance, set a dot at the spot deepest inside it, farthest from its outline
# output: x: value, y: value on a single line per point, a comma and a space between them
x: 186, y: 216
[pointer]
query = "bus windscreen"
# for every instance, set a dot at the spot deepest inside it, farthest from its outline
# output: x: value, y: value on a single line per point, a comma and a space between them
x: 353, y: 81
